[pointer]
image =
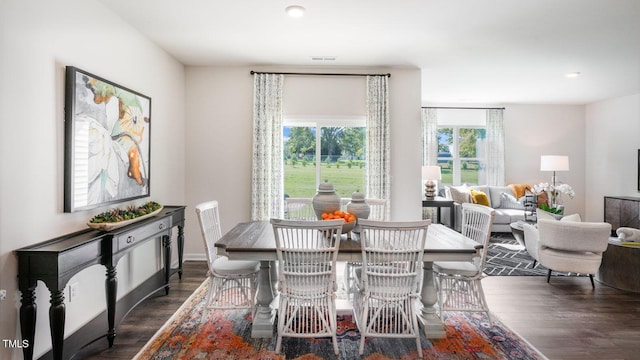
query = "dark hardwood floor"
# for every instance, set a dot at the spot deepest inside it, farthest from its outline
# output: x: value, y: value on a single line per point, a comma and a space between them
x: 145, y: 319
x: 565, y: 319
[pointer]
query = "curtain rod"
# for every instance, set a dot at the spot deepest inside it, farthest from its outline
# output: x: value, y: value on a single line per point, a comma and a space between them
x: 322, y: 74
x: 461, y: 108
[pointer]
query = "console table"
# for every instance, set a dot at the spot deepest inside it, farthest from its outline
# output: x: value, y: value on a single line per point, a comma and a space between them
x: 622, y: 211
x: 439, y: 204
x: 56, y: 261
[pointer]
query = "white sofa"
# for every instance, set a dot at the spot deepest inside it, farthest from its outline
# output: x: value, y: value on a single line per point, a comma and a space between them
x: 505, y: 212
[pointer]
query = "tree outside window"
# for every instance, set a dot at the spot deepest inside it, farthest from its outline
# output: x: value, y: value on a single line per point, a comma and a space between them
x: 313, y: 153
x: 462, y: 154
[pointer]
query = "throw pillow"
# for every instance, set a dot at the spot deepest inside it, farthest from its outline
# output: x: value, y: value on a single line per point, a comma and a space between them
x: 460, y: 194
x: 479, y: 197
x: 508, y: 201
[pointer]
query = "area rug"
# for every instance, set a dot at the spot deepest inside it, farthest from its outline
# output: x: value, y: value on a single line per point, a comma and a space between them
x: 224, y: 334
x: 506, y: 257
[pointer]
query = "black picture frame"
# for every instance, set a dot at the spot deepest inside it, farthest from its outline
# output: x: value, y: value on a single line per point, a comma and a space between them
x: 107, y: 142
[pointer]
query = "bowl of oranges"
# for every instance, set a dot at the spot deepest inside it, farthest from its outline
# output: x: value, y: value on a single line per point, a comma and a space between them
x: 349, y: 219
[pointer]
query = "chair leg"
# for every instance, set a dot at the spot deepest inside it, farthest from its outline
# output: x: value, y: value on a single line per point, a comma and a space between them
x: 593, y: 285
x: 548, y: 275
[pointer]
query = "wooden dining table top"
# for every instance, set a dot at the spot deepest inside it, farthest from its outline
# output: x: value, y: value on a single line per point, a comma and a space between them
x: 256, y: 240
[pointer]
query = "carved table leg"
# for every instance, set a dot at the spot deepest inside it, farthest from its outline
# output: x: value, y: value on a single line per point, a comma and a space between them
x: 111, y: 290
x: 265, y: 315
x: 180, y: 249
x: 166, y: 243
x: 433, y: 325
x: 28, y: 320
x: 56, y: 322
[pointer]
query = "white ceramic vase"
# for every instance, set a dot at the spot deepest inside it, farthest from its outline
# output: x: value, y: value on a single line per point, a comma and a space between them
x: 359, y: 208
x: 326, y: 200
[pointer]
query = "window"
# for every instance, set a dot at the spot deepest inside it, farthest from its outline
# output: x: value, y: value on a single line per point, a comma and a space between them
x: 462, y: 147
x: 319, y: 149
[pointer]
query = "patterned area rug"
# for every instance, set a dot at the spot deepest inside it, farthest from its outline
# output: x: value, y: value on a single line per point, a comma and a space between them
x: 227, y: 335
x: 506, y: 257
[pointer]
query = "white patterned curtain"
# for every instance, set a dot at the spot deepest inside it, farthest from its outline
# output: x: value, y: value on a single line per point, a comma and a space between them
x: 495, y: 147
x: 429, y: 137
x: 267, y: 170
x: 378, y: 140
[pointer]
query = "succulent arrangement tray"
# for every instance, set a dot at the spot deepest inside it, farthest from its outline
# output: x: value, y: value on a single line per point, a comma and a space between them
x: 118, y: 218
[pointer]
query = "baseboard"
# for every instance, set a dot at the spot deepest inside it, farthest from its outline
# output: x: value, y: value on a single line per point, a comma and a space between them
x: 195, y: 257
x: 96, y: 329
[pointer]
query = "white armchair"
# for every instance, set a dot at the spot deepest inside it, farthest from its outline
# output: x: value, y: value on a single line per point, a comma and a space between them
x: 568, y: 246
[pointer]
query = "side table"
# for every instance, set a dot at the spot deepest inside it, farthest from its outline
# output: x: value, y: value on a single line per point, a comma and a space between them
x: 439, y: 204
x: 518, y: 231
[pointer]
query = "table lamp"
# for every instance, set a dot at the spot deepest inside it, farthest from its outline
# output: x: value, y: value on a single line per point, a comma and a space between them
x: 431, y: 174
x: 554, y: 163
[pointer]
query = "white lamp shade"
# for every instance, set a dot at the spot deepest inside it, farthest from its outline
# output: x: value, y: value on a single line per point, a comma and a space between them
x: 554, y: 163
x: 431, y: 172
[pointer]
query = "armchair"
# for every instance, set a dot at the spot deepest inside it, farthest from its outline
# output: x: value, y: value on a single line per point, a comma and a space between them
x: 568, y: 246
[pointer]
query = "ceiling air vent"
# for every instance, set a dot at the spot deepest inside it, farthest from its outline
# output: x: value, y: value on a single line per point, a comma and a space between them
x: 323, y: 58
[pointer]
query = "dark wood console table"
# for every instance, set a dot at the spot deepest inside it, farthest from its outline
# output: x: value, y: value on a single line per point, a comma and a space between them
x: 56, y: 261
x: 622, y: 211
x: 439, y: 204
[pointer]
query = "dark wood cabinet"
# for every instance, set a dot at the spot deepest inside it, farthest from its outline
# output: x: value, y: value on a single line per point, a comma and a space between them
x: 622, y: 211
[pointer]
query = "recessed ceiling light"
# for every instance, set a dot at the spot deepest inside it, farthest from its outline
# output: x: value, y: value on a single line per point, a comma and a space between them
x: 295, y: 11
x: 572, y: 75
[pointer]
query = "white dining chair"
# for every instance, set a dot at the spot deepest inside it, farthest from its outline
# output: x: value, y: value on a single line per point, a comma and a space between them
x: 377, y: 211
x: 458, y: 283
x: 232, y: 283
x: 388, y: 283
x: 299, y: 209
x: 307, y: 252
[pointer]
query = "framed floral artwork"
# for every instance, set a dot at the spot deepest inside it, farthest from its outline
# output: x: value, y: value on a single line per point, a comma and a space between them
x: 107, y: 142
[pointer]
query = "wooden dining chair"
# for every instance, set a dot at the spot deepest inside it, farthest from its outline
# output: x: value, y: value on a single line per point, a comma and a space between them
x: 233, y: 283
x: 458, y: 283
x: 307, y: 252
x: 388, y: 283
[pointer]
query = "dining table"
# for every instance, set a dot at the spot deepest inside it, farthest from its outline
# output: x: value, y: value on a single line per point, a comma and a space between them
x: 255, y: 240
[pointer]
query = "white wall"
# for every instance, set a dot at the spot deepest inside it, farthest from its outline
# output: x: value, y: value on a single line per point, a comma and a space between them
x: 219, y: 129
x: 37, y: 40
x: 535, y: 130
x: 611, y: 149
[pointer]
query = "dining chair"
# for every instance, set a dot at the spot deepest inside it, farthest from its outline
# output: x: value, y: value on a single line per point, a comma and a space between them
x: 458, y: 283
x: 307, y: 252
x: 233, y: 283
x: 388, y: 283
x: 299, y: 209
x: 377, y: 211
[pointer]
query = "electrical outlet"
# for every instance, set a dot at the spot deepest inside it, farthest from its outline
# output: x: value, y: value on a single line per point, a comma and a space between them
x: 74, y: 291
x: 3, y: 294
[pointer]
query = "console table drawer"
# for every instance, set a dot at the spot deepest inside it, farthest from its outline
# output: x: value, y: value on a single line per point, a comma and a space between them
x: 140, y: 234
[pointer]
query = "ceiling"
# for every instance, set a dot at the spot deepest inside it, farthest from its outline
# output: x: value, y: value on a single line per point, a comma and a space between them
x: 469, y: 51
